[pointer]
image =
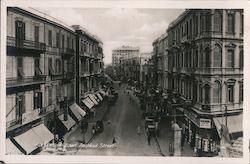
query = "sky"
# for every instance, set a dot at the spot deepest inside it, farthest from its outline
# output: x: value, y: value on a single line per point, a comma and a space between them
x: 118, y: 26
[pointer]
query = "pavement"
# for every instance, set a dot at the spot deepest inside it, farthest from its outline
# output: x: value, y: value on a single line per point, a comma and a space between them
x: 121, y: 122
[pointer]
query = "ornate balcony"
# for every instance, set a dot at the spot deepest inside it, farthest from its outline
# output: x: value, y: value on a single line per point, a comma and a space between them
x: 28, y: 46
x: 28, y: 80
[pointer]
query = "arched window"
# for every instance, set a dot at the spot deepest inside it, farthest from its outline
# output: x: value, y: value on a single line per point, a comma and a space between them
x: 217, y: 92
x: 217, y: 21
x: 217, y: 62
x: 207, y: 94
x: 207, y: 57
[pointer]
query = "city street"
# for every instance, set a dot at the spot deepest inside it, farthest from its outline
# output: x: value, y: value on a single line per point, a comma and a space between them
x: 121, y: 121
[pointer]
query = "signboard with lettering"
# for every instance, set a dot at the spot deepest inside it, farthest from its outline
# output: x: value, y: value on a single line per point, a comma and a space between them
x: 30, y: 116
x: 205, y: 123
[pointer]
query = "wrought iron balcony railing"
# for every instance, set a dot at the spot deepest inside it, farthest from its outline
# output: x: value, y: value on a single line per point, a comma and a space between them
x: 28, y: 80
x: 25, y: 44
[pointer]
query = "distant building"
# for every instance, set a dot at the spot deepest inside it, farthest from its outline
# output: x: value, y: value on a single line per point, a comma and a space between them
x: 123, y: 59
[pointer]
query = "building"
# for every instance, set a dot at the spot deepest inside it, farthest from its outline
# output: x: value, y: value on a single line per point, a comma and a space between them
x: 160, y: 61
x: 123, y: 59
x: 205, y: 75
x: 42, y: 82
x: 144, y: 58
x: 89, y: 63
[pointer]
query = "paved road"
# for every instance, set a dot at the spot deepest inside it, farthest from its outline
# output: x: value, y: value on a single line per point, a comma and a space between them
x: 124, y: 118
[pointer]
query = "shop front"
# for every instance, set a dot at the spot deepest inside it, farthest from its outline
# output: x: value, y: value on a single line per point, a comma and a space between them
x: 200, y: 134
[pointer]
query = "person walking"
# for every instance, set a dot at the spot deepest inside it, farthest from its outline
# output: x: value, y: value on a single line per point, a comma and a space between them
x: 138, y: 130
x: 114, y: 141
x: 149, y: 139
x: 171, y: 149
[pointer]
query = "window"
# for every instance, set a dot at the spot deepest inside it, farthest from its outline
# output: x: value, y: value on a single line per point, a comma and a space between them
x: 72, y: 43
x: 230, y: 58
x: 207, y: 94
x: 62, y: 41
x: 241, y: 64
x: 241, y: 92
x: 191, y: 27
x: 38, y: 71
x: 217, y: 21
x: 208, y: 22
x: 207, y: 57
x: 241, y: 24
x: 20, y: 30
x: 200, y: 93
x: 196, y: 58
x: 58, y: 66
x: 37, y: 100
x: 217, y: 92
x: 50, y: 96
x: 20, y: 105
x: 217, y: 62
x: 36, y: 33
x: 196, y: 25
x: 57, y: 40
x: 230, y: 22
x: 50, y: 38
x: 50, y: 66
x: 20, y: 73
x: 195, y: 91
x: 67, y: 42
x: 230, y: 93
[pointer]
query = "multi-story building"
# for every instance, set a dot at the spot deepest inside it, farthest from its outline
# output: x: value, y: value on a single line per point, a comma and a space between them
x: 41, y: 84
x: 205, y: 75
x: 123, y: 59
x: 144, y: 58
x: 160, y: 61
x: 89, y: 63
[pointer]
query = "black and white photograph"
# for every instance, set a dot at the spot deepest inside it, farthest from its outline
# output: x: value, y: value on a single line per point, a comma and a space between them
x: 140, y: 82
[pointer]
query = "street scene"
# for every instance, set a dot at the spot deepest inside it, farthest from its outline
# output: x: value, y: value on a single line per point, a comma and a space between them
x: 157, y: 82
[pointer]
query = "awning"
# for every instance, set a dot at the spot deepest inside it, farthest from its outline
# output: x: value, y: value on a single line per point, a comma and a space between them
x: 11, y: 149
x: 87, y: 103
x: 234, y: 123
x: 99, y: 96
x: 96, y: 98
x: 28, y: 141
x: 103, y: 92
x: 77, y: 111
x: 43, y: 132
x: 93, y: 99
x: 69, y: 123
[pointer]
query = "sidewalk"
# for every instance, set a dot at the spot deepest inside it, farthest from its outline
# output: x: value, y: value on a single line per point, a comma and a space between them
x: 164, y: 140
x: 76, y: 135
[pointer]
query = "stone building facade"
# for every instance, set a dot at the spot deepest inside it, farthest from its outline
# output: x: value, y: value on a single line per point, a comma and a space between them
x: 205, y: 74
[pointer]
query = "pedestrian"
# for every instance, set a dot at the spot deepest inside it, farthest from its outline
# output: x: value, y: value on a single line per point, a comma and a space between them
x: 139, y: 130
x: 149, y: 138
x: 182, y: 141
x: 114, y: 141
x: 171, y: 149
x: 93, y: 130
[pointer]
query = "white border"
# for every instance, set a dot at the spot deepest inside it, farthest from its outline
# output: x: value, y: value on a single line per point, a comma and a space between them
x: 124, y: 4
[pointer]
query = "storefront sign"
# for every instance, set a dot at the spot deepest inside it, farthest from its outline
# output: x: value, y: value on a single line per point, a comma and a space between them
x: 30, y: 116
x: 205, y: 123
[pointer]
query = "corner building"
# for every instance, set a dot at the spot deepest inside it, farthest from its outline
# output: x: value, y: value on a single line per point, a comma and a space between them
x: 205, y: 74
